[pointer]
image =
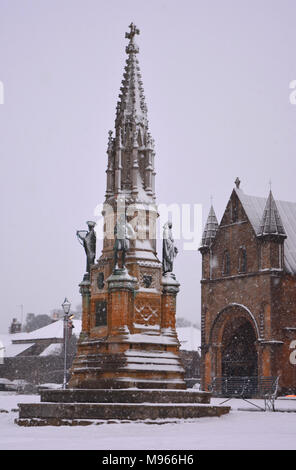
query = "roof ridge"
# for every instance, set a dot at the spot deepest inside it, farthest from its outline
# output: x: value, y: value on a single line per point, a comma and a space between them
x: 240, y: 191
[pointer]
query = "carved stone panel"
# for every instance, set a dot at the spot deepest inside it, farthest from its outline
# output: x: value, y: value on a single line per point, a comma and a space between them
x: 149, y: 278
x: 146, y: 313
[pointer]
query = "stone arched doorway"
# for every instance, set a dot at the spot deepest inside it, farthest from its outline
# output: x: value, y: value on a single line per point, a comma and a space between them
x: 238, y: 350
x: 233, y: 338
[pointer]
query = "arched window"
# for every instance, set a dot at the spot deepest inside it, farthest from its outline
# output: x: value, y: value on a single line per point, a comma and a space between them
x: 226, y: 263
x: 242, y: 260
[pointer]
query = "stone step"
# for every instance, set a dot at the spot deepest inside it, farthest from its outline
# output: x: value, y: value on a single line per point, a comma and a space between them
x: 93, y: 382
x: 140, y: 364
x: 124, y: 396
x: 153, y: 368
x: 50, y: 413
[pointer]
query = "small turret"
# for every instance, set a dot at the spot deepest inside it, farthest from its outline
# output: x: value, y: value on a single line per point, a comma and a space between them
x: 208, y: 237
x: 271, y: 222
x: 272, y: 235
x: 210, y: 230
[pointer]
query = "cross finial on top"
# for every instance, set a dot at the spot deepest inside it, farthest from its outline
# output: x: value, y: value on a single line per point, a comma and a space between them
x: 132, y: 46
x: 237, y: 182
x: 133, y: 31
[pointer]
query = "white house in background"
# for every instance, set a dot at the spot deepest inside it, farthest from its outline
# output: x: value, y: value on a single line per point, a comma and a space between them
x: 42, y: 342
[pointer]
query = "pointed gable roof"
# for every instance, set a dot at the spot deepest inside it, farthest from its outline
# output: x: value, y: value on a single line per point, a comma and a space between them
x: 271, y: 222
x: 255, y: 206
x: 211, y: 228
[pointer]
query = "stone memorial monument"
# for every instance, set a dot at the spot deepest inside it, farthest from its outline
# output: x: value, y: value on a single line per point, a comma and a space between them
x: 128, y: 351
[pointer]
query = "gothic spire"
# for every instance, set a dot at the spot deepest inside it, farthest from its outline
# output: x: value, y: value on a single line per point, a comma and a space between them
x: 131, y: 107
x: 271, y: 222
x: 131, y: 150
x: 210, y: 230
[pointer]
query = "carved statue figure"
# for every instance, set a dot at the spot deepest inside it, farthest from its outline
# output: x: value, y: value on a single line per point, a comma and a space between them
x: 169, y: 250
x: 123, y: 232
x: 88, y: 240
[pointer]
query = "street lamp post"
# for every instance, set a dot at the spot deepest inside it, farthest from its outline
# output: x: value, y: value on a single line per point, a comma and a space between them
x: 66, y: 307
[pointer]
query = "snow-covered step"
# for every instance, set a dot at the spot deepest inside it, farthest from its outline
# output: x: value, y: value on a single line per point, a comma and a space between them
x: 55, y: 413
x: 125, y: 396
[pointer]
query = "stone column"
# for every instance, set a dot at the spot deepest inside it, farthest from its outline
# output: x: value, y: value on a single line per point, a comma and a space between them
x: 118, y: 169
x: 153, y: 175
x: 207, y: 369
x: 218, y: 360
x: 85, y: 293
x: 135, y: 169
x: 118, y: 163
x: 170, y: 288
x: 109, y: 171
x: 269, y: 354
x: 259, y: 349
x: 121, y: 288
x: 148, y: 173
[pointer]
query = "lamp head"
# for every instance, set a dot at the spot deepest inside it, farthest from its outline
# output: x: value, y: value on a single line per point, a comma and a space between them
x: 66, y: 306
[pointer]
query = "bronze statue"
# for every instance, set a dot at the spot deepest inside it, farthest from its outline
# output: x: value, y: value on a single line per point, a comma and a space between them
x: 123, y: 232
x: 169, y: 250
x: 88, y: 240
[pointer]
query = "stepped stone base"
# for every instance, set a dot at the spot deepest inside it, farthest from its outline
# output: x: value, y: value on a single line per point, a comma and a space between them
x: 125, y: 396
x: 153, y: 363
x: 82, y: 407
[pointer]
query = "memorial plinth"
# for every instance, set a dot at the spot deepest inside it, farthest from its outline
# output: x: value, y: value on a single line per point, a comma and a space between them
x: 139, y: 346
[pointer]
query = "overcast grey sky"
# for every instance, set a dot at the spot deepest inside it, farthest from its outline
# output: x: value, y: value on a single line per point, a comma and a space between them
x: 216, y: 77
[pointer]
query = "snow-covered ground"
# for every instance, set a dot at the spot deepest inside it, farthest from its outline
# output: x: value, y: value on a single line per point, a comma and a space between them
x: 237, y: 430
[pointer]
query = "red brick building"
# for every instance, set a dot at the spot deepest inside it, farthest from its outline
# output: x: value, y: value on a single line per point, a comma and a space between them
x: 248, y: 317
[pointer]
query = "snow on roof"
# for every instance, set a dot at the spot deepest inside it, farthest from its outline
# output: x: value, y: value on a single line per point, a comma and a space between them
x: 10, y: 349
x: 254, y: 207
x: 54, y: 330
x: 54, y: 349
